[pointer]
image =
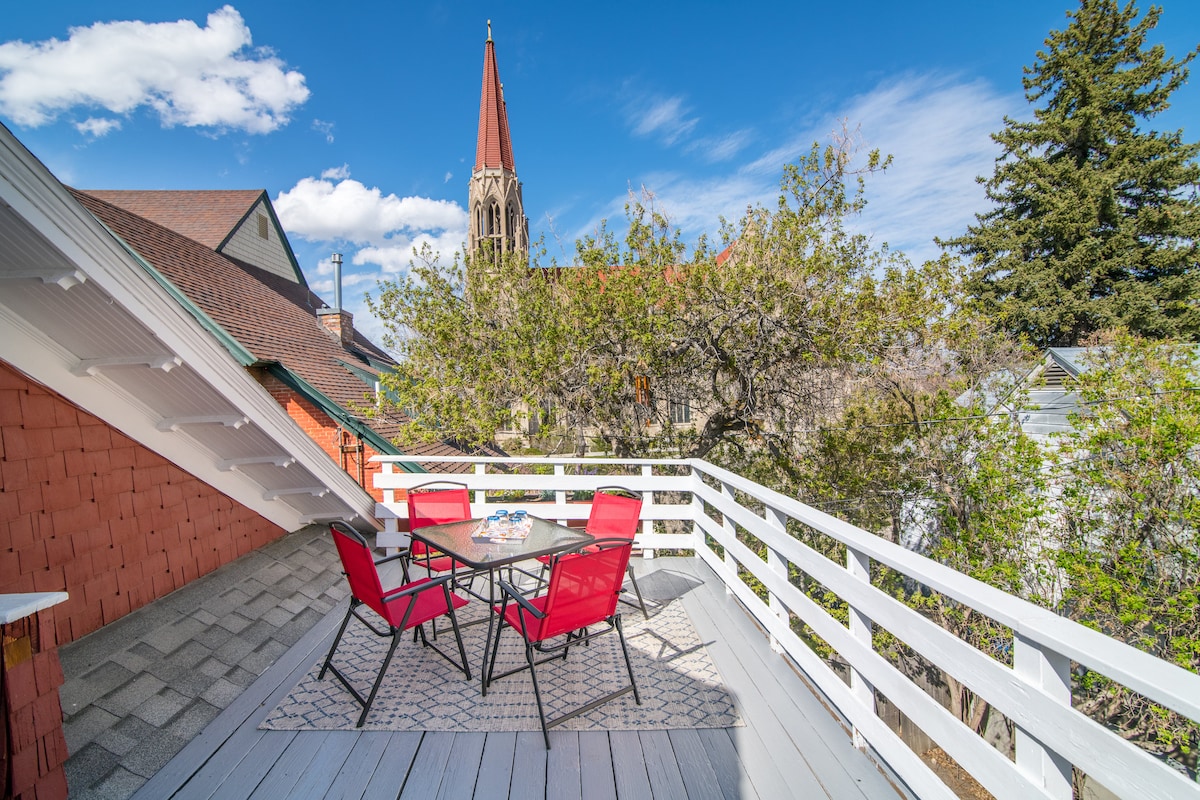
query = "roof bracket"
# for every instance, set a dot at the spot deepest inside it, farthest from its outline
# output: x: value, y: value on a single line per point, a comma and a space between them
x: 309, y: 519
x: 65, y: 278
x: 315, y: 491
x: 234, y: 421
x: 92, y: 366
x: 282, y: 461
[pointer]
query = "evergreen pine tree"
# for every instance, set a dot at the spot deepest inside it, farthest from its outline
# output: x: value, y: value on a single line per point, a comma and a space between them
x: 1095, y: 220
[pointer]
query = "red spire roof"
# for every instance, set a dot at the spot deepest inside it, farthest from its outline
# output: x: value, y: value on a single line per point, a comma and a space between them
x: 494, y: 147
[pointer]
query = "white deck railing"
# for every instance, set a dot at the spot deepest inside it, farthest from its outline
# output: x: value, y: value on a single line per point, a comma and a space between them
x: 1034, y: 693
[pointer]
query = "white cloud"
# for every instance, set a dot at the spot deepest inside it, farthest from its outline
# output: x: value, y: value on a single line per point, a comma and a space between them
x: 714, y: 149
x: 449, y: 175
x: 375, y: 232
x: 188, y: 75
x: 936, y: 128
x: 938, y: 132
x: 96, y: 128
x: 324, y: 128
x: 663, y: 117
x: 336, y: 173
x: 336, y: 208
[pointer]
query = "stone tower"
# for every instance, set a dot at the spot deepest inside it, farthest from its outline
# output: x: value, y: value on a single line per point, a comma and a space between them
x: 494, y: 199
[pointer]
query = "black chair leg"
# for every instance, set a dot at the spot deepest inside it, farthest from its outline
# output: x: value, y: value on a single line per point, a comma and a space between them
x: 336, y: 640
x: 537, y: 693
x: 637, y: 591
x: 379, y: 678
x: 628, y: 666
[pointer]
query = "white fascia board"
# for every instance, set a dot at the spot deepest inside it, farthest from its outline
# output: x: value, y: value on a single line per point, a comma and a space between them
x: 46, y: 205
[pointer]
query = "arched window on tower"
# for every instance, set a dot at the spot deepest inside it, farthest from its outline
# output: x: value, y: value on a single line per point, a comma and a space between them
x: 512, y: 223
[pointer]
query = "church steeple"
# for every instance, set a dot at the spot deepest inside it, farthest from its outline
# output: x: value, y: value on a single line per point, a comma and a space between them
x: 494, y: 199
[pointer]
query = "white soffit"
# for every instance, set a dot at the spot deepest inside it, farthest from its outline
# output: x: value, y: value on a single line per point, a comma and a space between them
x: 80, y: 315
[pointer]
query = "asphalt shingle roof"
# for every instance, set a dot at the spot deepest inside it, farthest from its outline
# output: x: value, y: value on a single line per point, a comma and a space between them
x: 207, y: 217
x: 275, y: 319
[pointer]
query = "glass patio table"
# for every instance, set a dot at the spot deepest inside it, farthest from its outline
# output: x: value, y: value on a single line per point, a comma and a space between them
x: 458, y: 540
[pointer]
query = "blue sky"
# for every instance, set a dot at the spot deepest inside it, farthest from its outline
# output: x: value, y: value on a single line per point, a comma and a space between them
x: 359, y: 119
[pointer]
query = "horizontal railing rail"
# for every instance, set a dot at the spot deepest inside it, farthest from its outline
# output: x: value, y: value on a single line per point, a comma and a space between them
x: 549, y: 492
x: 740, y: 528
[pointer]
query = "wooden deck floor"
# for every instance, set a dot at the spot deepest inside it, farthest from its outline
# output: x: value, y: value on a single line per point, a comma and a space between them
x: 790, y: 746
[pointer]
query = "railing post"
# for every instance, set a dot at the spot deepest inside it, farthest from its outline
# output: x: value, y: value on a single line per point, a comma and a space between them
x: 776, y: 563
x: 647, y: 499
x: 727, y: 525
x: 858, y: 564
x: 397, y: 540
x: 697, y: 510
x: 560, y: 496
x: 481, y: 494
x: 1049, y: 672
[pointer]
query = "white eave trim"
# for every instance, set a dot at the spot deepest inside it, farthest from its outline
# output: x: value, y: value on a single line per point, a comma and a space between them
x: 35, y: 195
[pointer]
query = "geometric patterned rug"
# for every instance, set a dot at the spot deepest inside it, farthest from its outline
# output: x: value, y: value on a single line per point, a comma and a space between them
x: 679, y: 685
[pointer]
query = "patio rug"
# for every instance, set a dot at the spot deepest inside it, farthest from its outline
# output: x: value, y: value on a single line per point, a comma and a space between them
x: 679, y: 685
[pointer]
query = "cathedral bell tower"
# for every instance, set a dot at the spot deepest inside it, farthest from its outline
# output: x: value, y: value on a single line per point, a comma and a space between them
x: 494, y: 199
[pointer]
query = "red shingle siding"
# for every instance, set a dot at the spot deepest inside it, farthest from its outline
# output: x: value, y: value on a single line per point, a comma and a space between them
x: 86, y: 510
x: 35, y: 746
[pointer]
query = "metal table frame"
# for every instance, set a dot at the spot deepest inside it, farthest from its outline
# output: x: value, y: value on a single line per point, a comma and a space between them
x: 455, y: 539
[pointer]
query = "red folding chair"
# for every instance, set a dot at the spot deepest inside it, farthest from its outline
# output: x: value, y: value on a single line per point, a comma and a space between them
x: 408, y: 606
x: 583, y: 590
x: 616, y: 516
x: 434, y: 507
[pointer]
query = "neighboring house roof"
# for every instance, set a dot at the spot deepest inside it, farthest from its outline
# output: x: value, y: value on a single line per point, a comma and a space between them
x: 267, y: 319
x: 84, y: 315
x: 493, y: 149
x: 209, y: 217
x: 1050, y: 401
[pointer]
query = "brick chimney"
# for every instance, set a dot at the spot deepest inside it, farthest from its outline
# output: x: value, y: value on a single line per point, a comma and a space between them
x: 339, y: 322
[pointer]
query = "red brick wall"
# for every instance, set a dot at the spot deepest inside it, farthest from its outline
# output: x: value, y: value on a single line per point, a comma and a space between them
x: 85, y: 509
x: 325, y: 431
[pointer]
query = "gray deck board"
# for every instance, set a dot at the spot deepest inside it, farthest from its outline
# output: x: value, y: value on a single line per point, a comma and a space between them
x: 318, y: 777
x: 811, y: 731
x: 360, y: 766
x: 250, y: 770
x: 563, y: 771
x: 790, y: 746
x: 723, y: 757
x: 466, y: 753
x: 281, y: 779
x: 496, y: 767
x: 596, y: 778
x: 391, y: 770
x: 700, y: 779
x: 629, y: 765
x: 666, y: 781
x: 529, y: 767
x: 428, y: 768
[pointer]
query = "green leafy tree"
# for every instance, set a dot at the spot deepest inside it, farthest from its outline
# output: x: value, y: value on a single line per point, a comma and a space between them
x: 757, y: 341
x: 1131, y: 498
x: 1095, y: 219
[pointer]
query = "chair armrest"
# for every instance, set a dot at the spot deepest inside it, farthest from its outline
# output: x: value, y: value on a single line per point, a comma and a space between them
x: 415, y: 588
x: 402, y: 554
x: 405, y: 557
x: 512, y: 592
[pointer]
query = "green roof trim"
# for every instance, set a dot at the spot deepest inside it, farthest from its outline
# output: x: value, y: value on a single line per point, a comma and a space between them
x: 344, y: 417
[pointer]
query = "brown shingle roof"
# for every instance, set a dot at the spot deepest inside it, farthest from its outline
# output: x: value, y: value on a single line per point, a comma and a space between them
x: 271, y: 317
x: 205, y: 216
